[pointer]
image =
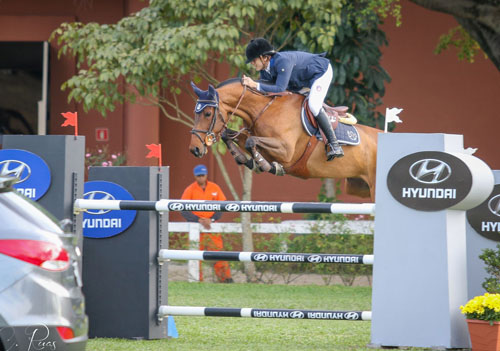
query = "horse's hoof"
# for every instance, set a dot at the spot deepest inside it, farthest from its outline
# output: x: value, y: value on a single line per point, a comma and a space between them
x: 250, y: 164
x: 277, y: 169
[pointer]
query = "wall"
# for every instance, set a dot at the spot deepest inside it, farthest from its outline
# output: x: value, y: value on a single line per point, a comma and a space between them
x: 33, y: 20
x: 438, y: 93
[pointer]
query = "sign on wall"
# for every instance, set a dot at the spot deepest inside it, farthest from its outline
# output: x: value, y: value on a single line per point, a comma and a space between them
x: 429, y: 180
x: 106, y: 223
x: 485, y: 218
x: 31, y: 170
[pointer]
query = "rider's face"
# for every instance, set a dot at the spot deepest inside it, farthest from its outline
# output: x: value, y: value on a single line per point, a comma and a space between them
x: 259, y: 63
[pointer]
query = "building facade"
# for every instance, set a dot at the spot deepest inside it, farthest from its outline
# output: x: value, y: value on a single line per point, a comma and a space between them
x: 438, y: 93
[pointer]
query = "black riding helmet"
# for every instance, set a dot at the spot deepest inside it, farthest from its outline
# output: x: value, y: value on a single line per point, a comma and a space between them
x: 258, y: 47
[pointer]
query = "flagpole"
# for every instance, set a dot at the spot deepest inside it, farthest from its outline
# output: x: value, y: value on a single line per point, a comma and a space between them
x: 386, y: 123
x: 159, y: 159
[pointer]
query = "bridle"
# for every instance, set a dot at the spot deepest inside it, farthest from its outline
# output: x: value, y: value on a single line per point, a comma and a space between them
x: 210, y: 136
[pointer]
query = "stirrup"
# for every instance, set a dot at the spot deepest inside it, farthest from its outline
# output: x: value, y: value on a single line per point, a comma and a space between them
x: 333, y: 150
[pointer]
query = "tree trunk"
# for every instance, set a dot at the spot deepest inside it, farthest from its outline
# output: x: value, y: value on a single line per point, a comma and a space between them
x: 246, y: 218
x: 329, y: 184
x: 246, y: 223
x: 225, y: 175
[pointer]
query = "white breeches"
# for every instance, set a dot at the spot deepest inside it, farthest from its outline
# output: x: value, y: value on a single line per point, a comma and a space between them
x: 319, y: 89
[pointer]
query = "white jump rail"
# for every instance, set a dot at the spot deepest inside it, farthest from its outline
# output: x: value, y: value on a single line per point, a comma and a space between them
x: 165, y: 255
x: 165, y: 311
x: 225, y: 206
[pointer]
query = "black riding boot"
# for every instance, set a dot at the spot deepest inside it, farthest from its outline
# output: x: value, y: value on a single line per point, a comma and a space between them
x: 332, y: 148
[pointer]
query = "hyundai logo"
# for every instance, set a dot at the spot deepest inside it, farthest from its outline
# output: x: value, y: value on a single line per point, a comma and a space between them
x: 232, y: 207
x: 351, y: 315
x: 494, y: 205
x: 315, y: 259
x: 15, y: 168
x: 98, y: 195
x: 430, y: 171
x: 175, y: 206
x: 260, y: 257
x: 297, y: 314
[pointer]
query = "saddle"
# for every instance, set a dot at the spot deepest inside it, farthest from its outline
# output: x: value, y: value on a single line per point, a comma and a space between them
x: 342, y: 123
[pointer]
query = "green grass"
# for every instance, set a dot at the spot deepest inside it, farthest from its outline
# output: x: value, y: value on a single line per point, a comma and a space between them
x: 211, y: 333
x: 254, y: 334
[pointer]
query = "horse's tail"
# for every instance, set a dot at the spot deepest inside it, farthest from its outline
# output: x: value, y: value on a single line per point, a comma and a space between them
x: 357, y: 187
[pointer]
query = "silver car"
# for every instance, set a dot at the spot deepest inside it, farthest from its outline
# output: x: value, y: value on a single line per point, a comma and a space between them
x: 41, y: 301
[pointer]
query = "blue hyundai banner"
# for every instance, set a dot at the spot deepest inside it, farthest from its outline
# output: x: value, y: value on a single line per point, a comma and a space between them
x: 106, y: 223
x: 31, y: 170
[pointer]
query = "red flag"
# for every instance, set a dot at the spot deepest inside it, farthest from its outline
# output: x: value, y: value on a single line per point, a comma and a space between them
x: 154, y: 151
x: 71, y: 120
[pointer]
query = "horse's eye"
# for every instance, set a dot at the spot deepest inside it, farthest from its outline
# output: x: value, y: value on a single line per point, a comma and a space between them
x: 208, y: 114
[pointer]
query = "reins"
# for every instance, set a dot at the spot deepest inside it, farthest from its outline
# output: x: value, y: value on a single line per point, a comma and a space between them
x: 273, y: 97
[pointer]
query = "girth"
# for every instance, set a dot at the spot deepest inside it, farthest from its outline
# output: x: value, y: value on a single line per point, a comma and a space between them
x: 299, y: 168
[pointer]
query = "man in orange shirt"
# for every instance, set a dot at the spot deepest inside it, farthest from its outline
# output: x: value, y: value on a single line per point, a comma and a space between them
x: 203, y: 189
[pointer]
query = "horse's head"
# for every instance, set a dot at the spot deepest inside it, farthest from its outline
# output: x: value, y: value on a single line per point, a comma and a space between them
x: 208, y: 120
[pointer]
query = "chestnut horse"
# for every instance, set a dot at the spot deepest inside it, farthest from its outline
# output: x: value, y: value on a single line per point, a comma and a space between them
x: 275, y: 138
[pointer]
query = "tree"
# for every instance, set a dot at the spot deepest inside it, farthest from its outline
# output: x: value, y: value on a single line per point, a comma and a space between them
x: 480, y: 21
x: 157, y: 51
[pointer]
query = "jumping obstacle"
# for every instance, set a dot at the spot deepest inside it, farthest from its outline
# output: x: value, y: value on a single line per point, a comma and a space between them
x: 166, y: 205
x: 166, y: 255
x: 165, y: 311
x: 245, y: 206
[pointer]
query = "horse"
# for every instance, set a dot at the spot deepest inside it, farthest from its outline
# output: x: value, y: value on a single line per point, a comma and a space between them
x: 275, y: 139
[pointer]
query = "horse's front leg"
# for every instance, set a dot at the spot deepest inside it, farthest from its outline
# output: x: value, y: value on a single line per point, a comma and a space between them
x: 264, y: 165
x: 240, y: 158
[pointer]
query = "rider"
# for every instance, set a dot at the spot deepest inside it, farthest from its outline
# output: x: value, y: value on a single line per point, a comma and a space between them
x: 294, y: 70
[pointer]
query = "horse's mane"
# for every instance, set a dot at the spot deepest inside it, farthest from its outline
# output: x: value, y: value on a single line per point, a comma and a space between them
x: 229, y: 81
x: 236, y: 80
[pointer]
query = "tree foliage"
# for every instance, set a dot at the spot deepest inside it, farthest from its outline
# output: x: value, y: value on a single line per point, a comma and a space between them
x: 164, y: 45
x: 360, y: 79
x: 156, y: 51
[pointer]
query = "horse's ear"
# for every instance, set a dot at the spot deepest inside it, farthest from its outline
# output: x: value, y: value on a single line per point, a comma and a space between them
x: 211, y: 90
x: 197, y: 90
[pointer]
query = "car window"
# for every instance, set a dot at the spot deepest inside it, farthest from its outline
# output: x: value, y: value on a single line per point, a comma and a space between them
x: 15, y: 209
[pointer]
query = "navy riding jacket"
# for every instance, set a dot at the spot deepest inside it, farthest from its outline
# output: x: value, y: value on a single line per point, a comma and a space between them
x: 293, y: 70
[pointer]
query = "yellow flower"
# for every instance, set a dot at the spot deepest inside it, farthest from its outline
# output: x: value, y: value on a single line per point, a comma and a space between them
x: 485, y: 307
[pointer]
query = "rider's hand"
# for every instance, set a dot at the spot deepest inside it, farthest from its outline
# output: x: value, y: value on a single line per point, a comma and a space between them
x: 249, y: 82
x: 205, y: 222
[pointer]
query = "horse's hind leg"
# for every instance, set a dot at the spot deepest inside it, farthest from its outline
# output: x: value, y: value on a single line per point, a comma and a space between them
x: 240, y: 158
x: 264, y: 165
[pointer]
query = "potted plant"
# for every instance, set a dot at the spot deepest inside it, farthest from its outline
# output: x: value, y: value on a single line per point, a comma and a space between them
x: 483, y: 312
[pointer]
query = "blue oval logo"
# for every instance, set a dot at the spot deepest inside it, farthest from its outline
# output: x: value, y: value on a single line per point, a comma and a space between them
x: 105, y: 223
x: 31, y: 170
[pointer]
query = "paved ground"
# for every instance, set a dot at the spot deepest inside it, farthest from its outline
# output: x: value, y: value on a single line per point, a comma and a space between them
x: 179, y: 272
